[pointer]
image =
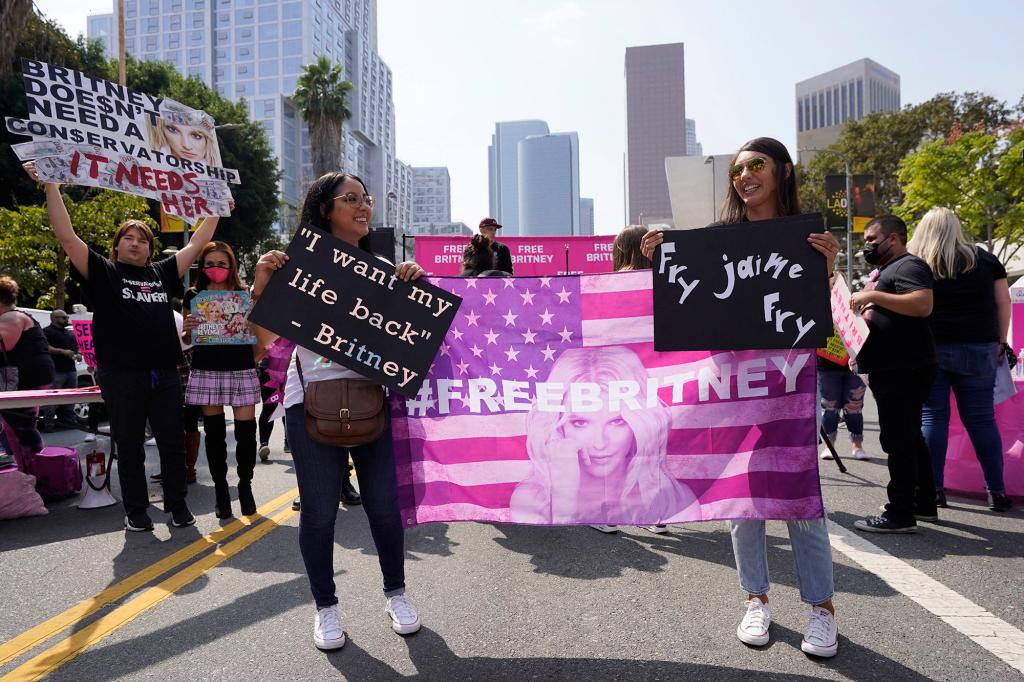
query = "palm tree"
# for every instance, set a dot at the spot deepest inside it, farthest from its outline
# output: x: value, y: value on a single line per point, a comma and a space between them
x: 320, y: 98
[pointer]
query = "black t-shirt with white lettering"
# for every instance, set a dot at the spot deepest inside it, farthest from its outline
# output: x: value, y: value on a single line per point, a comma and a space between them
x: 965, y: 307
x: 897, y: 341
x: 133, y: 323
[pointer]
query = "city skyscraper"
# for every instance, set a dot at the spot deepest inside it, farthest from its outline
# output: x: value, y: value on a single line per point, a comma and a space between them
x: 503, y: 170
x: 103, y: 27
x: 586, y: 217
x: 693, y: 148
x: 255, y: 52
x: 655, y: 128
x: 851, y: 92
x: 549, y: 184
x: 431, y: 195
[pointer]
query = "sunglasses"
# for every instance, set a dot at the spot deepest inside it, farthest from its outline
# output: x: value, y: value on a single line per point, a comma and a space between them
x: 353, y: 199
x: 754, y: 165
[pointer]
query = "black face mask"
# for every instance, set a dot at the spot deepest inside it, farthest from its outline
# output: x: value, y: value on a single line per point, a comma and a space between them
x: 872, y: 254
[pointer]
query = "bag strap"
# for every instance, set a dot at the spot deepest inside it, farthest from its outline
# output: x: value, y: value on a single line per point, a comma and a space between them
x: 298, y: 366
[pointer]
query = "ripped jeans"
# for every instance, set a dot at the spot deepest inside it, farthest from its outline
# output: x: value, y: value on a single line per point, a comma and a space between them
x: 842, y: 390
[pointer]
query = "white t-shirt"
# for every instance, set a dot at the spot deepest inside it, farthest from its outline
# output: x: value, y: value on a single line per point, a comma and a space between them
x: 314, y: 368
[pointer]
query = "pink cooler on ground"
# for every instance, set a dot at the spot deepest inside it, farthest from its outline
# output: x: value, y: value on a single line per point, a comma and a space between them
x: 963, y: 472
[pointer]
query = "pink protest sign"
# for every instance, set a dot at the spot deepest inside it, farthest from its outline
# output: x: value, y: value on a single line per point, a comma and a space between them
x: 83, y: 335
x: 547, y: 404
x: 531, y: 256
x: 852, y: 328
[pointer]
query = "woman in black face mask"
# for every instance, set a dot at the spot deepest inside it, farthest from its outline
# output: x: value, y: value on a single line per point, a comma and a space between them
x: 762, y: 187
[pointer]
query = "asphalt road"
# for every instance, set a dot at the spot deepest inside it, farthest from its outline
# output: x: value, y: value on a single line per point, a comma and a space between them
x: 502, y: 601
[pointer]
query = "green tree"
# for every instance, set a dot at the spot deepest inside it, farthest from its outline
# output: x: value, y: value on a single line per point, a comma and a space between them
x: 977, y: 175
x: 878, y: 142
x: 13, y: 15
x: 30, y: 253
x: 320, y: 97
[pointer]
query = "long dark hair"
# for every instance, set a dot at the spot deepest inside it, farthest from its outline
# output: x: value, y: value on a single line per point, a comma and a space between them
x: 786, y: 201
x: 320, y: 196
x: 626, y: 253
x: 233, y: 280
x: 477, y: 257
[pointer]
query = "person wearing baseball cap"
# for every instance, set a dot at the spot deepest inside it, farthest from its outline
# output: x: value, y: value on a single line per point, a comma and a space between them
x: 502, y: 257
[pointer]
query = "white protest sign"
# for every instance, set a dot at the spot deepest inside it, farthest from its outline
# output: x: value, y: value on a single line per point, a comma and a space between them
x: 89, y: 131
x: 852, y: 328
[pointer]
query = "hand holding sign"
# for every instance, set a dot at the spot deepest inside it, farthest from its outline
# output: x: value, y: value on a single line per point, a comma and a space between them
x: 740, y: 287
x: 340, y: 302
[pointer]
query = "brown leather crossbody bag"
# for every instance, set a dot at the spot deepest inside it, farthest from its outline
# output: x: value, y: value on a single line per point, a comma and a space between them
x: 343, y: 412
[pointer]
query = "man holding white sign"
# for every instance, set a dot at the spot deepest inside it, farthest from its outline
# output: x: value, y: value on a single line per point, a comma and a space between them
x: 137, y: 350
x: 899, y: 359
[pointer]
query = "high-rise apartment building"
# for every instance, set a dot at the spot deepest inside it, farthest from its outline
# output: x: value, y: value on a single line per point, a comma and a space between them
x: 431, y: 195
x: 586, y: 217
x: 255, y: 51
x: 851, y: 92
x: 503, y: 170
x: 655, y: 128
x: 549, y: 184
x: 103, y: 27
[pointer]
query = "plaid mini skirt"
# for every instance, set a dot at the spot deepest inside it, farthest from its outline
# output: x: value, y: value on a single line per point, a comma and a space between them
x: 209, y: 387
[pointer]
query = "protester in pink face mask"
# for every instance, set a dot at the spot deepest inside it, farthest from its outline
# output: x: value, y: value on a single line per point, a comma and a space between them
x: 224, y: 375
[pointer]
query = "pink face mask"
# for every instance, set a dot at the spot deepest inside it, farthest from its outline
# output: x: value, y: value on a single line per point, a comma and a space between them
x: 217, y: 274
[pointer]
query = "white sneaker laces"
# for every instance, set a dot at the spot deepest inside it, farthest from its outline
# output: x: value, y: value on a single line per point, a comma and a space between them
x: 756, y: 612
x: 401, y: 608
x: 330, y: 625
x: 819, y: 629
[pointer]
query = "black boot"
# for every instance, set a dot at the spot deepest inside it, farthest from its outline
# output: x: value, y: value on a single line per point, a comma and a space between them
x: 217, y: 458
x: 245, y: 456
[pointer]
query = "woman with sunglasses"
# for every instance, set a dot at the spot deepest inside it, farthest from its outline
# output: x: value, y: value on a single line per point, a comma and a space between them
x: 339, y: 203
x: 763, y: 186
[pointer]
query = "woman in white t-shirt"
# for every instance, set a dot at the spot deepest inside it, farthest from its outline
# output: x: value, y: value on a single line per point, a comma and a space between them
x: 340, y: 204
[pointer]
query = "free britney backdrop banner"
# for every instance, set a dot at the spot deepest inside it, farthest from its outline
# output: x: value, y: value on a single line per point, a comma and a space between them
x: 92, y: 132
x: 531, y: 256
x: 547, y: 404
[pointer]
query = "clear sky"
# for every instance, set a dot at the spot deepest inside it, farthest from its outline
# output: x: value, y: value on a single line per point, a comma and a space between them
x: 461, y: 65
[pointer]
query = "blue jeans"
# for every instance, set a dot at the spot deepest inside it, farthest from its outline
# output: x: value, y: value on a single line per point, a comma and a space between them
x: 970, y: 370
x: 811, y: 550
x: 319, y: 470
x: 67, y: 411
x: 842, y: 391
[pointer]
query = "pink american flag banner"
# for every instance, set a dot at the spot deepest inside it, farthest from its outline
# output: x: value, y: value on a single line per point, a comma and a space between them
x: 547, y: 404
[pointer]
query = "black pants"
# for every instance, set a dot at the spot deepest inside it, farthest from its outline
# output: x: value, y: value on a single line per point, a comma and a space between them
x: 133, y: 396
x: 899, y: 396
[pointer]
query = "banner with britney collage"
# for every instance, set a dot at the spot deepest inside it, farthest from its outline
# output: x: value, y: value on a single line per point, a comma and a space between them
x: 548, y: 404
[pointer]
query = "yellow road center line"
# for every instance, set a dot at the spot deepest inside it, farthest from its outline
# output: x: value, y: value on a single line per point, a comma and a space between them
x: 40, y: 633
x: 65, y: 650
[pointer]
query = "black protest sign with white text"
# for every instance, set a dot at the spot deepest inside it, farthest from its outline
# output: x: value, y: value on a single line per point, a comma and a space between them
x: 747, y: 286
x: 348, y: 306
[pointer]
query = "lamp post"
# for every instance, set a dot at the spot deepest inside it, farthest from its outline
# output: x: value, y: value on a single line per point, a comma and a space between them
x: 849, y: 209
x: 714, y: 190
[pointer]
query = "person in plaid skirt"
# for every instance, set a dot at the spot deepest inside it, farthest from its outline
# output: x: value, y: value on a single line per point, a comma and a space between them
x: 224, y: 375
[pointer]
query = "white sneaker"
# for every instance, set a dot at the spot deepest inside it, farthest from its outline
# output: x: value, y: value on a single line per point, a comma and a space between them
x: 151, y: 441
x: 605, y: 528
x: 404, y: 619
x: 822, y: 636
x: 859, y: 453
x: 753, y: 629
x: 660, y: 529
x: 825, y: 454
x: 89, y: 438
x: 327, y: 632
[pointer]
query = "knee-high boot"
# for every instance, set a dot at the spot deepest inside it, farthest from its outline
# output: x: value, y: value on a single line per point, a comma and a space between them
x: 245, y: 456
x: 191, y: 454
x: 217, y: 457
